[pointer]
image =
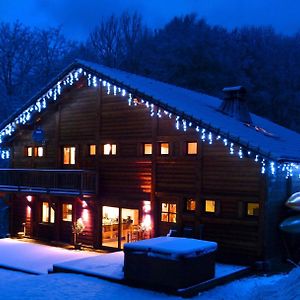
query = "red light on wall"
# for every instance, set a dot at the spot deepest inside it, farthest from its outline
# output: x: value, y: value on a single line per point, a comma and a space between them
x: 146, y: 207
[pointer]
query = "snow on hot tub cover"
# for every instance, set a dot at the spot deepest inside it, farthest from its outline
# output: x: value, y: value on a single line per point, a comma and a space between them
x: 172, y: 246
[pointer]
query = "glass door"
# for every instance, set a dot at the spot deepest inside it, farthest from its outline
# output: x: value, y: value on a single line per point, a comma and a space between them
x: 130, y: 229
x: 110, y: 226
x: 119, y: 226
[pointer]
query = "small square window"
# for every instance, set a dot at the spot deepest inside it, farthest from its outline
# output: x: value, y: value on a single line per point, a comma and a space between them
x: 147, y: 149
x: 252, y: 209
x: 192, y: 148
x: 164, y: 148
x: 92, y: 150
x: 110, y: 149
x: 210, y: 206
x: 190, y: 204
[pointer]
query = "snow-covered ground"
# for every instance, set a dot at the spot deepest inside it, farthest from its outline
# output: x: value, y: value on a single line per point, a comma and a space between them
x: 15, y: 285
x: 27, y: 256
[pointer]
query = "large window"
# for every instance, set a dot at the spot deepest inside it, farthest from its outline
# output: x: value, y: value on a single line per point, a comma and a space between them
x: 67, y: 212
x: 164, y: 148
x: 48, y: 213
x: 69, y: 155
x: 168, y: 212
x: 110, y: 149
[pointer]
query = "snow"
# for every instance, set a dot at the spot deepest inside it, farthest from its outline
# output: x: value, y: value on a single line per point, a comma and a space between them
x: 174, y: 246
x: 14, y: 285
x: 34, y: 258
x: 106, y: 266
x: 17, y: 285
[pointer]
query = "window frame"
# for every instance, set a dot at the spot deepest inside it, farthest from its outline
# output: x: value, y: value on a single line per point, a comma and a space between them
x: 217, y: 206
x: 169, y: 212
x: 187, y: 148
x: 246, y: 209
x: 69, y: 159
x: 160, y: 149
x: 110, y: 154
x: 68, y: 210
x: 186, y: 210
x: 89, y: 150
x: 51, y: 218
x: 143, y: 149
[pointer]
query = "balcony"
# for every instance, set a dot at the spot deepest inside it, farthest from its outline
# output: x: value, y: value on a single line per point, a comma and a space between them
x: 49, y: 181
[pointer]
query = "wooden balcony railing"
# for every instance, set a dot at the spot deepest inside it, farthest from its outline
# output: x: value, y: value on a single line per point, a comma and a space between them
x: 52, y: 181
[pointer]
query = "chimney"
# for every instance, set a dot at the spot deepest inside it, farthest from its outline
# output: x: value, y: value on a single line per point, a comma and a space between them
x: 234, y: 104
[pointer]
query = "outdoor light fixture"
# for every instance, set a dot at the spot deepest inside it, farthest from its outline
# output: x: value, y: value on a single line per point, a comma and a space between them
x: 29, y: 198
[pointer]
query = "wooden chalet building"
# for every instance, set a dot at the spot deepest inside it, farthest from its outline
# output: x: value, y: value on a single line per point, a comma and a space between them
x: 133, y: 158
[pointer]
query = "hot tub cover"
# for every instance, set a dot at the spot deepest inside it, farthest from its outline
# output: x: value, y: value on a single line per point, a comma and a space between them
x: 172, y: 246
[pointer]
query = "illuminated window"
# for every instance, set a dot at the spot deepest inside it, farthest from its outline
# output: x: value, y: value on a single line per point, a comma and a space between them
x: 110, y: 149
x: 92, y: 150
x: 252, y: 209
x: 67, y: 212
x: 190, y: 204
x: 39, y: 151
x: 168, y: 212
x: 210, y: 206
x: 192, y: 148
x: 147, y: 149
x: 48, y: 213
x: 29, y: 151
x: 69, y: 155
x: 164, y: 148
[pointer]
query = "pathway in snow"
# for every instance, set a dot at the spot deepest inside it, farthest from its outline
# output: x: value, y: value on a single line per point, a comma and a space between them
x: 35, y: 258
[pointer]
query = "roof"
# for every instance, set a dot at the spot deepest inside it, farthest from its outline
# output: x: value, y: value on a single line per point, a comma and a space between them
x: 267, y: 139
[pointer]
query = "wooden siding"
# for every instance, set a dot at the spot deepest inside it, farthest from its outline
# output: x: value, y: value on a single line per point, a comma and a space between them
x: 85, y: 116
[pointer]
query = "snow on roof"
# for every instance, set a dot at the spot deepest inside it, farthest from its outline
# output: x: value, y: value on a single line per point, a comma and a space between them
x: 265, y: 137
x: 284, y: 145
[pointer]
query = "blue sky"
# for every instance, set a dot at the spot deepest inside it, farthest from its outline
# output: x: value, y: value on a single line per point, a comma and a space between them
x: 78, y: 17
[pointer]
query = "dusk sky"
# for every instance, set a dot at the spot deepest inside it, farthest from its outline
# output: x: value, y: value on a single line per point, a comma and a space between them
x: 78, y: 17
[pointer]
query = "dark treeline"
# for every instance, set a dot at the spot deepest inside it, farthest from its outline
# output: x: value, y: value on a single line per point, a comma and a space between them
x: 187, y: 52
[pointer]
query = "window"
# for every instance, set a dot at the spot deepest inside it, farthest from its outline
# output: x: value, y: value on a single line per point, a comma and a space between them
x: 29, y: 151
x: 48, y: 213
x: 192, y: 148
x: 110, y: 149
x: 252, y: 209
x: 92, y: 150
x: 69, y: 155
x: 168, y: 212
x: 34, y: 151
x: 67, y: 212
x: 190, y: 205
x: 210, y: 206
x: 147, y: 149
x: 164, y: 148
x: 39, y: 151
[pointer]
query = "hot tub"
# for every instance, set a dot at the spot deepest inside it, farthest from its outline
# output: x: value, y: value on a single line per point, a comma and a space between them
x: 169, y: 262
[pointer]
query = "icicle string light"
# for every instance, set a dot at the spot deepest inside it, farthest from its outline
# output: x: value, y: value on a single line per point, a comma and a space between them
x: 93, y: 81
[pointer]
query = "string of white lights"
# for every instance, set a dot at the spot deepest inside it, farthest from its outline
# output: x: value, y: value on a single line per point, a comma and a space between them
x: 53, y: 94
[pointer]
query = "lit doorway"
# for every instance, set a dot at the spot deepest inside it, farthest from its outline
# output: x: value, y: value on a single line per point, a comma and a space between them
x: 119, y: 226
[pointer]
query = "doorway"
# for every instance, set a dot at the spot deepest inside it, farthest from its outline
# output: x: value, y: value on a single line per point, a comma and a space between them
x: 119, y: 226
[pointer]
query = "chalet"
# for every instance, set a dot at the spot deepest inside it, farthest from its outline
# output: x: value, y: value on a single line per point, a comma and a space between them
x: 131, y: 158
